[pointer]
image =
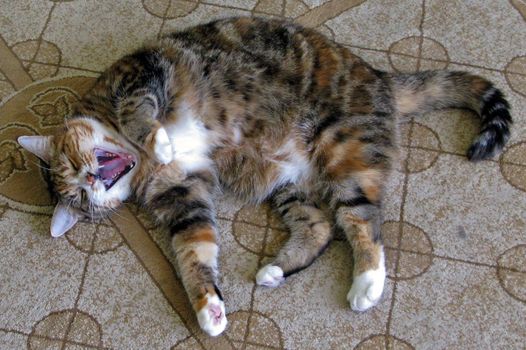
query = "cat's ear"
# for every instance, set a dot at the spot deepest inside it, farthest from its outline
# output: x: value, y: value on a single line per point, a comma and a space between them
x: 40, y: 146
x: 63, y: 219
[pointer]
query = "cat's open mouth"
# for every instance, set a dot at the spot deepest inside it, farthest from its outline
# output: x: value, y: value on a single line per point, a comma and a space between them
x: 113, y: 166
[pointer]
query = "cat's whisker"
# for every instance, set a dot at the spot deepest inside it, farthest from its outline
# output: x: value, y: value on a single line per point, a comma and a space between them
x: 100, y: 212
x: 115, y: 211
x: 90, y: 207
x: 41, y: 166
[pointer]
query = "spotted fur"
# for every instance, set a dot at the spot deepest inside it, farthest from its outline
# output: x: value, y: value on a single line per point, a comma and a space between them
x: 269, y: 110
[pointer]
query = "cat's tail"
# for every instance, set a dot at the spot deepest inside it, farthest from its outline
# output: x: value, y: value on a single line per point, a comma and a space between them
x: 430, y: 90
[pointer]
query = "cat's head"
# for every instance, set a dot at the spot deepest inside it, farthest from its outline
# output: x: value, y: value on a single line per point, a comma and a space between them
x: 91, y: 168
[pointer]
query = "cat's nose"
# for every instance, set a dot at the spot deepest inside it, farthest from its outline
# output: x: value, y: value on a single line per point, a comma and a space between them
x: 90, y: 179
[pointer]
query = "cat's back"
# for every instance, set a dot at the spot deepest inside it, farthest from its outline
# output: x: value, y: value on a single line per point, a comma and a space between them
x: 276, y: 72
x: 285, y: 54
x: 262, y: 37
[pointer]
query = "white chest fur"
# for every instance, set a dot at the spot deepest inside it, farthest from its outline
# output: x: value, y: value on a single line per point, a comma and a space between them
x: 189, y: 139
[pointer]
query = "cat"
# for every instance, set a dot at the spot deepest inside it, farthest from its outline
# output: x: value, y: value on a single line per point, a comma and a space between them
x: 268, y: 110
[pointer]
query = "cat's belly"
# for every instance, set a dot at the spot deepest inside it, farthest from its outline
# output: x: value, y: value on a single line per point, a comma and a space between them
x: 254, y: 173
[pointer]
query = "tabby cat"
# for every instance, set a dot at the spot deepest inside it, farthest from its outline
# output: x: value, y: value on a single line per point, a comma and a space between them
x: 268, y: 110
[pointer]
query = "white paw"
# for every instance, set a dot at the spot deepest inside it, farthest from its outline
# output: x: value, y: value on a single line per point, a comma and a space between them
x: 269, y: 276
x: 163, y: 146
x: 212, y: 317
x: 367, y: 288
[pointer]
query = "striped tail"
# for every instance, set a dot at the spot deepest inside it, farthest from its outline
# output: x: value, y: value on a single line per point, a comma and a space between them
x: 431, y: 90
x: 495, y: 130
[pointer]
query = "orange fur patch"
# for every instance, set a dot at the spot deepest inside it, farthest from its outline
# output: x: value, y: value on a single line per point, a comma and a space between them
x: 328, y: 62
x: 243, y: 25
x: 201, y: 303
x: 370, y: 181
x: 202, y: 299
x: 365, y: 251
x: 202, y: 235
x: 479, y: 86
x: 344, y: 159
x: 80, y: 126
x: 115, y: 142
x: 362, y: 73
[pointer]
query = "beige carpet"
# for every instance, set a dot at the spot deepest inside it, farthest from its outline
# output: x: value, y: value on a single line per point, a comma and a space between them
x: 455, y: 232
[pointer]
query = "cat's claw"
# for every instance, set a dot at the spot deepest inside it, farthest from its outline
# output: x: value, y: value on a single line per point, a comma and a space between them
x: 162, y: 146
x: 212, y: 316
x: 367, y: 288
x: 269, y: 276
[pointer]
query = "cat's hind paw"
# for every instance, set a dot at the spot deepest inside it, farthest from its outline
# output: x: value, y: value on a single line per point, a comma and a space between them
x: 212, y: 316
x: 162, y: 146
x: 269, y: 276
x: 367, y: 289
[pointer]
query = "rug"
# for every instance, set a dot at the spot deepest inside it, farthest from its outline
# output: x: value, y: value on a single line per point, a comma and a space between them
x: 454, y: 231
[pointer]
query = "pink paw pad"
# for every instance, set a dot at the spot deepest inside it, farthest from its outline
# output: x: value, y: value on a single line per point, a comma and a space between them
x: 212, y: 316
x: 215, y: 313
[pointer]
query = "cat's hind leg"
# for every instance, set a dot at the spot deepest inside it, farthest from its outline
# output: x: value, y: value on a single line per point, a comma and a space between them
x: 310, y: 232
x: 357, y: 211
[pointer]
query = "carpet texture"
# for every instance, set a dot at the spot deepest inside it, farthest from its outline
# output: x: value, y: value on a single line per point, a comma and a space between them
x: 454, y: 231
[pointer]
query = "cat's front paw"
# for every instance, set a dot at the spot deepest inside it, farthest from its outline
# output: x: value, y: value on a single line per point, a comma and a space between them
x: 212, y: 316
x: 367, y: 289
x: 269, y: 276
x: 162, y: 146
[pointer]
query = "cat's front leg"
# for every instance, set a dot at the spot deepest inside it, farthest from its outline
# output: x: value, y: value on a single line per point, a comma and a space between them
x: 138, y: 121
x: 184, y: 207
x: 196, y: 253
x: 158, y: 145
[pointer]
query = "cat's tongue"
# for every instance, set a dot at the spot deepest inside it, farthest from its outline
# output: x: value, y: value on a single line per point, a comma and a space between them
x: 112, y: 165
